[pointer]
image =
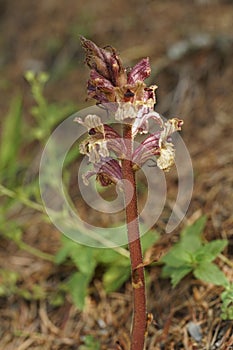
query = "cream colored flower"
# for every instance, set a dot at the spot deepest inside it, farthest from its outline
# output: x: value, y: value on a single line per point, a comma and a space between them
x: 91, y: 121
x: 167, y: 156
x: 167, y: 153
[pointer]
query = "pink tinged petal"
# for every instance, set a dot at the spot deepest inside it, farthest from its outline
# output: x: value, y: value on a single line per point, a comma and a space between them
x: 83, y: 147
x: 107, y: 172
x: 97, y: 94
x: 147, y: 149
x: 100, y: 88
x: 99, y: 81
x: 158, y: 144
x: 115, y: 142
x: 112, y: 169
x: 110, y: 133
x: 140, y: 71
x: 94, y: 149
x: 140, y: 124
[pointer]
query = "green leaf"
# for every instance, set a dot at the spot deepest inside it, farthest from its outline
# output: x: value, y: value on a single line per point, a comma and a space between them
x: 210, y: 273
x: 78, y: 288
x: 210, y: 250
x: 191, y: 238
x: 149, y: 239
x: 84, y: 258
x: 11, y: 230
x: 109, y: 256
x: 227, y: 302
x: 11, y: 138
x: 177, y: 256
x: 183, y: 252
x: 176, y: 274
x: 64, y: 251
x: 114, y: 277
x: 90, y: 343
x: 196, y: 228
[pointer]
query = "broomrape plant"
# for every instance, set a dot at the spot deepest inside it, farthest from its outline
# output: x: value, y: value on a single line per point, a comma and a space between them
x: 115, y: 160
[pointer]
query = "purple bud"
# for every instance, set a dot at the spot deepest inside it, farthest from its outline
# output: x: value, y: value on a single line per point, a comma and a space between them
x: 139, y: 72
x: 104, y: 62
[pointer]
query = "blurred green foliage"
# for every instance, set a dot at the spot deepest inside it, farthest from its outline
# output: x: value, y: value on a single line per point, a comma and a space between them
x: 193, y: 254
x: 227, y: 302
x: 115, y: 266
x: 11, y: 130
x: 90, y: 343
x: 47, y: 115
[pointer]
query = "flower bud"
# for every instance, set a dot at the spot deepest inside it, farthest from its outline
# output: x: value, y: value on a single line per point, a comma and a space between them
x: 104, y: 62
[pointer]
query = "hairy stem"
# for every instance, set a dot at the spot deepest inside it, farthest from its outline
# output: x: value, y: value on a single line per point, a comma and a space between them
x: 138, y: 280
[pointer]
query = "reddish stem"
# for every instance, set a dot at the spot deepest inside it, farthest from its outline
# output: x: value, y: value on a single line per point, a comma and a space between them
x: 134, y: 243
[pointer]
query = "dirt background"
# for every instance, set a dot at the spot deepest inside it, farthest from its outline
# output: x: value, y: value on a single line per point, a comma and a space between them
x: 190, y: 45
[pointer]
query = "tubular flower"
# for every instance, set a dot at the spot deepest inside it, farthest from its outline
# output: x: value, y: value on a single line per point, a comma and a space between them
x: 95, y: 145
x: 158, y: 144
x: 107, y: 172
x: 101, y: 139
x: 140, y: 124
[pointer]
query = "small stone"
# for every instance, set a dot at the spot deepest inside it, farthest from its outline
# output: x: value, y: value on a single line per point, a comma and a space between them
x: 195, y: 331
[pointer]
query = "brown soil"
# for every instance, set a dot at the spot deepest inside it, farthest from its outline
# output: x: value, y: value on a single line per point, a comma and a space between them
x: 195, y: 83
